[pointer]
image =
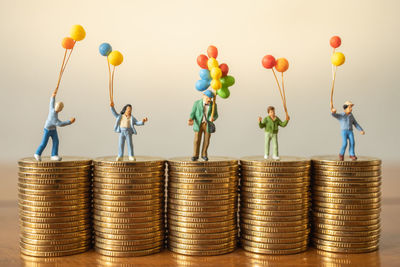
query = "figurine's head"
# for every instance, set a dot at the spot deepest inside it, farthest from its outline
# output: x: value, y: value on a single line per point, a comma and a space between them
x: 348, y: 107
x: 271, y: 111
x: 59, y: 106
x: 207, y: 96
x: 127, y: 110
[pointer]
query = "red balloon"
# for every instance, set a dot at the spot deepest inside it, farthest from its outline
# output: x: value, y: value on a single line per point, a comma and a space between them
x: 224, y: 68
x: 268, y: 62
x: 212, y: 51
x: 68, y: 43
x: 202, y: 61
x: 335, y: 41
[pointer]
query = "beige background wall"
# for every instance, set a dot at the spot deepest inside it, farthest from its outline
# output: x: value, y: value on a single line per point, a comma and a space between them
x: 161, y: 40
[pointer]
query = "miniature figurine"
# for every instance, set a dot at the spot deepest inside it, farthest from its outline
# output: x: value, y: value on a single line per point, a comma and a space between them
x: 50, y: 129
x: 201, y: 118
x: 125, y: 125
x: 347, y: 121
x: 271, y: 124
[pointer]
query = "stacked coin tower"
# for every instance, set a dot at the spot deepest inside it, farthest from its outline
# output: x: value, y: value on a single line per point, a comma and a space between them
x: 346, y: 204
x: 128, y: 206
x: 54, y: 206
x: 274, y: 205
x: 202, y: 206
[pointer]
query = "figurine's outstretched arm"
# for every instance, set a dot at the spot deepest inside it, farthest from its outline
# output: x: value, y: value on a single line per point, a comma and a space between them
x: 283, y: 123
x: 52, y: 102
x: 139, y: 123
x: 113, y: 111
x: 215, y: 117
x: 65, y: 123
x: 263, y: 123
x: 355, y: 123
x: 192, y: 114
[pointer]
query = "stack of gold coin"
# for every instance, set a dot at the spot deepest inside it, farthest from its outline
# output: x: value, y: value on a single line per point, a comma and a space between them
x: 128, y: 204
x: 346, y: 204
x: 54, y: 206
x: 274, y: 205
x: 202, y: 206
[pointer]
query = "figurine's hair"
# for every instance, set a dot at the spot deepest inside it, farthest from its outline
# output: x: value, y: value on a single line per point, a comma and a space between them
x: 125, y: 107
x: 270, y: 108
x: 345, y: 106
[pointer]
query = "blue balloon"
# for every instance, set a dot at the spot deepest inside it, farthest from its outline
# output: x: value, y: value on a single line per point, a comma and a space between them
x: 105, y: 49
x: 205, y: 74
x: 202, y: 85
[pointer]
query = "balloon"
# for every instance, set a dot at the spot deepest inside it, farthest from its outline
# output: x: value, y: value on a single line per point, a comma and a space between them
x: 335, y: 41
x: 227, y: 81
x: 115, y: 58
x: 215, y: 84
x: 205, y: 74
x: 216, y: 73
x: 77, y: 32
x: 224, y: 92
x: 68, y: 43
x: 268, y: 62
x: 224, y: 68
x: 212, y: 51
x: 202, y: 85
x: 282, y: 64
x: 211, y: 63
x: 338, y: 59
x: 202, y: 61
x: 105, y: 49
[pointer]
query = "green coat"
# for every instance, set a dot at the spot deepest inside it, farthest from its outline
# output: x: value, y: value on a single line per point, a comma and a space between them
x: 197, y: 114
x: 271, y: 126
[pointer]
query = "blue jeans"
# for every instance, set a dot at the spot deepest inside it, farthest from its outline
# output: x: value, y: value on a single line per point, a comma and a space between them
x: 347, y: 135
x: 54, y: 137
x: 125, y: 135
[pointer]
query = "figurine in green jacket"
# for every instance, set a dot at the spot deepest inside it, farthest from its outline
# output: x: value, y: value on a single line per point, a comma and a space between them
x: 202, y: 121
x: 271, y: 124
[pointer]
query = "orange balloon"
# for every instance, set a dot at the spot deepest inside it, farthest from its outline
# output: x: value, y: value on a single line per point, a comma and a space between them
x: 282, y: 64
x: 68, y: 43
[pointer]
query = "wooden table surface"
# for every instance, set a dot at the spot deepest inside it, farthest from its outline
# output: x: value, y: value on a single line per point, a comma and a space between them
x: 387, y: 255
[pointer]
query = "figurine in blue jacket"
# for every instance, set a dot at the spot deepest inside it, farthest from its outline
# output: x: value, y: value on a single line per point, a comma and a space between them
x: 50, y: 129
x: 347, y: 121
x: 125, y: 126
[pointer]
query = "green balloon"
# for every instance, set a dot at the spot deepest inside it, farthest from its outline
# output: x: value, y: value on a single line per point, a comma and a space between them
x: 228, y: 81
x: 224, y: 92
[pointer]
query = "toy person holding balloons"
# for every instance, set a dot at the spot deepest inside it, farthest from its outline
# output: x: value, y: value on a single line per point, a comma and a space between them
x: 271, y: 123
x: 50, y: 128
x: 125, y: 121
x: 346, y: 118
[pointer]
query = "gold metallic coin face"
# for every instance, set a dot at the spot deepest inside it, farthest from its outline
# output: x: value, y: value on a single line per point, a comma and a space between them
x: 289, y: 170
x: 203, y: 169
x: 213, y: 161
x: 283, y: 161
x: 274, y: 251
x: 333, y: 160
x: 278, y: 246
x: 36, y: 253
x: 322, y: 167
x: 46, y: 162
x: 202, y: 252
x: 347, y: 239
x: 346, y: 250
x: 54, y: 171
x: 135, y: 253
x: 140, y: 161
x: 337, y: 244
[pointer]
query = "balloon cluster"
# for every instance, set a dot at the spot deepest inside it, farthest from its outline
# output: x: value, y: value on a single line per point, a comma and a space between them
x: 281, y: 65
x: 114, y: 58
x: 337, y: 60
x: 214, y: 74
x: 77, y: 33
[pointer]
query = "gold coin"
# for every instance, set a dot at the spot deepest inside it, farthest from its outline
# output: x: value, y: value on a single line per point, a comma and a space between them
x: 207, y: 203
x: 346, y: 217
x: 339, y: 233
x: 347, y: 228
x: 173, y: 228
x: 350, y: 201
x: 130, y: 243
x: 171, y: 206
x: 207, y: 225
x: 54, y: 209
x: 272, y: 214
x: 133, y: 220
x: 347, y: 174
x: 321, y: 167
x: 203, y: 169
x: 201, y: 252
x: 275, y: 251
x: 141, y: 161
x: 345, y: 223
x: 128, y: 192
x: 210, y: 214
x: 132, y: 231
x: 127, y: 170
x: 51, y: 237
x: 53, y: 225
x: 275, y: 186
x: 274, y: 207
x: 274, y: 201
x: 127, y: 187
x: 54, y: 253
x: 203, y: 236
x: 205, y: 247
x: 127, y: 175
x: 130, y: 237
x: 137, y: 225
x: 333, y: 160
x: 70, y: 213
x: 287, y: 170
x: 202, y: 197
x: 278, y: 246
x: 232, y: 174
x: 279, y: 240
x: 261, y: 196
x: 277, y: 235
x: 346, y: 250
x: 275, y: 229
x: 46, y: 181
x: 67, y: 161
x: 44, y: 203
x: 202, y: 180
x: 347, y: 212
x: 55, y: 170
x: 202, y: 242
x: 359, y: 196
x: 268, y: 191
x: 202, y: 192
x: 284, y: 161
x: 259, y: 174
x: 232, y: 185
x: 339, y: 190
x: 116, y: 215
x: 347, y: 206
x: 46, y: 231
x: 134, y: 197
x: 125, y: 182
x: 129, y: 248
x: 344, y: 244
x: 54, y: 186
x: 54, y: 192
x: 55, y: 242
x: 133, y: 203
x: 347, y: 185
x: 51, y: 199
x: 360, y: 180
x: 201, y: 219
x: 53, y: 176
x: 56, y: 219
x: 212, y: 162
x: 274, y: 223
x: 135, y: 253
x: 347, y: 239
x: 297, y: 218
x: 153, y: 207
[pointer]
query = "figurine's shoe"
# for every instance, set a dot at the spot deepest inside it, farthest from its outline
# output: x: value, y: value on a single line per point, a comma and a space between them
x: 353, y: 157
x: 266, y: 156
x: 56, y: 158
x: 132, y: 158
x: 341, y: 157
x: 276, y: 158
x: 195, y: 158
x: 205, y: 158
x: 118, y: 159
x: 37, y: 157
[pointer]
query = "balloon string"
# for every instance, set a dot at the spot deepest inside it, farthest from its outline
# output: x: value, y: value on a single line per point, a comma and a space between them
x: 69, y: 55
x: 334, y: 49
x: 284, y: 96
x: 279, y: 87
x: 59, y: 75
x: 109, y: 80
x: 333, y: 86
x: 213, y: 107
x: 112, y: 83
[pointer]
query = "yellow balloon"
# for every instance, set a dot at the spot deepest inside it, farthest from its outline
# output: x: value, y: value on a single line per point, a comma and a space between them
x: 216, y: 84
x: 115, y: 58
x: 338, y: 59
x: 216, y: 73
x: 77, y: 32
x: 212, y: 63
